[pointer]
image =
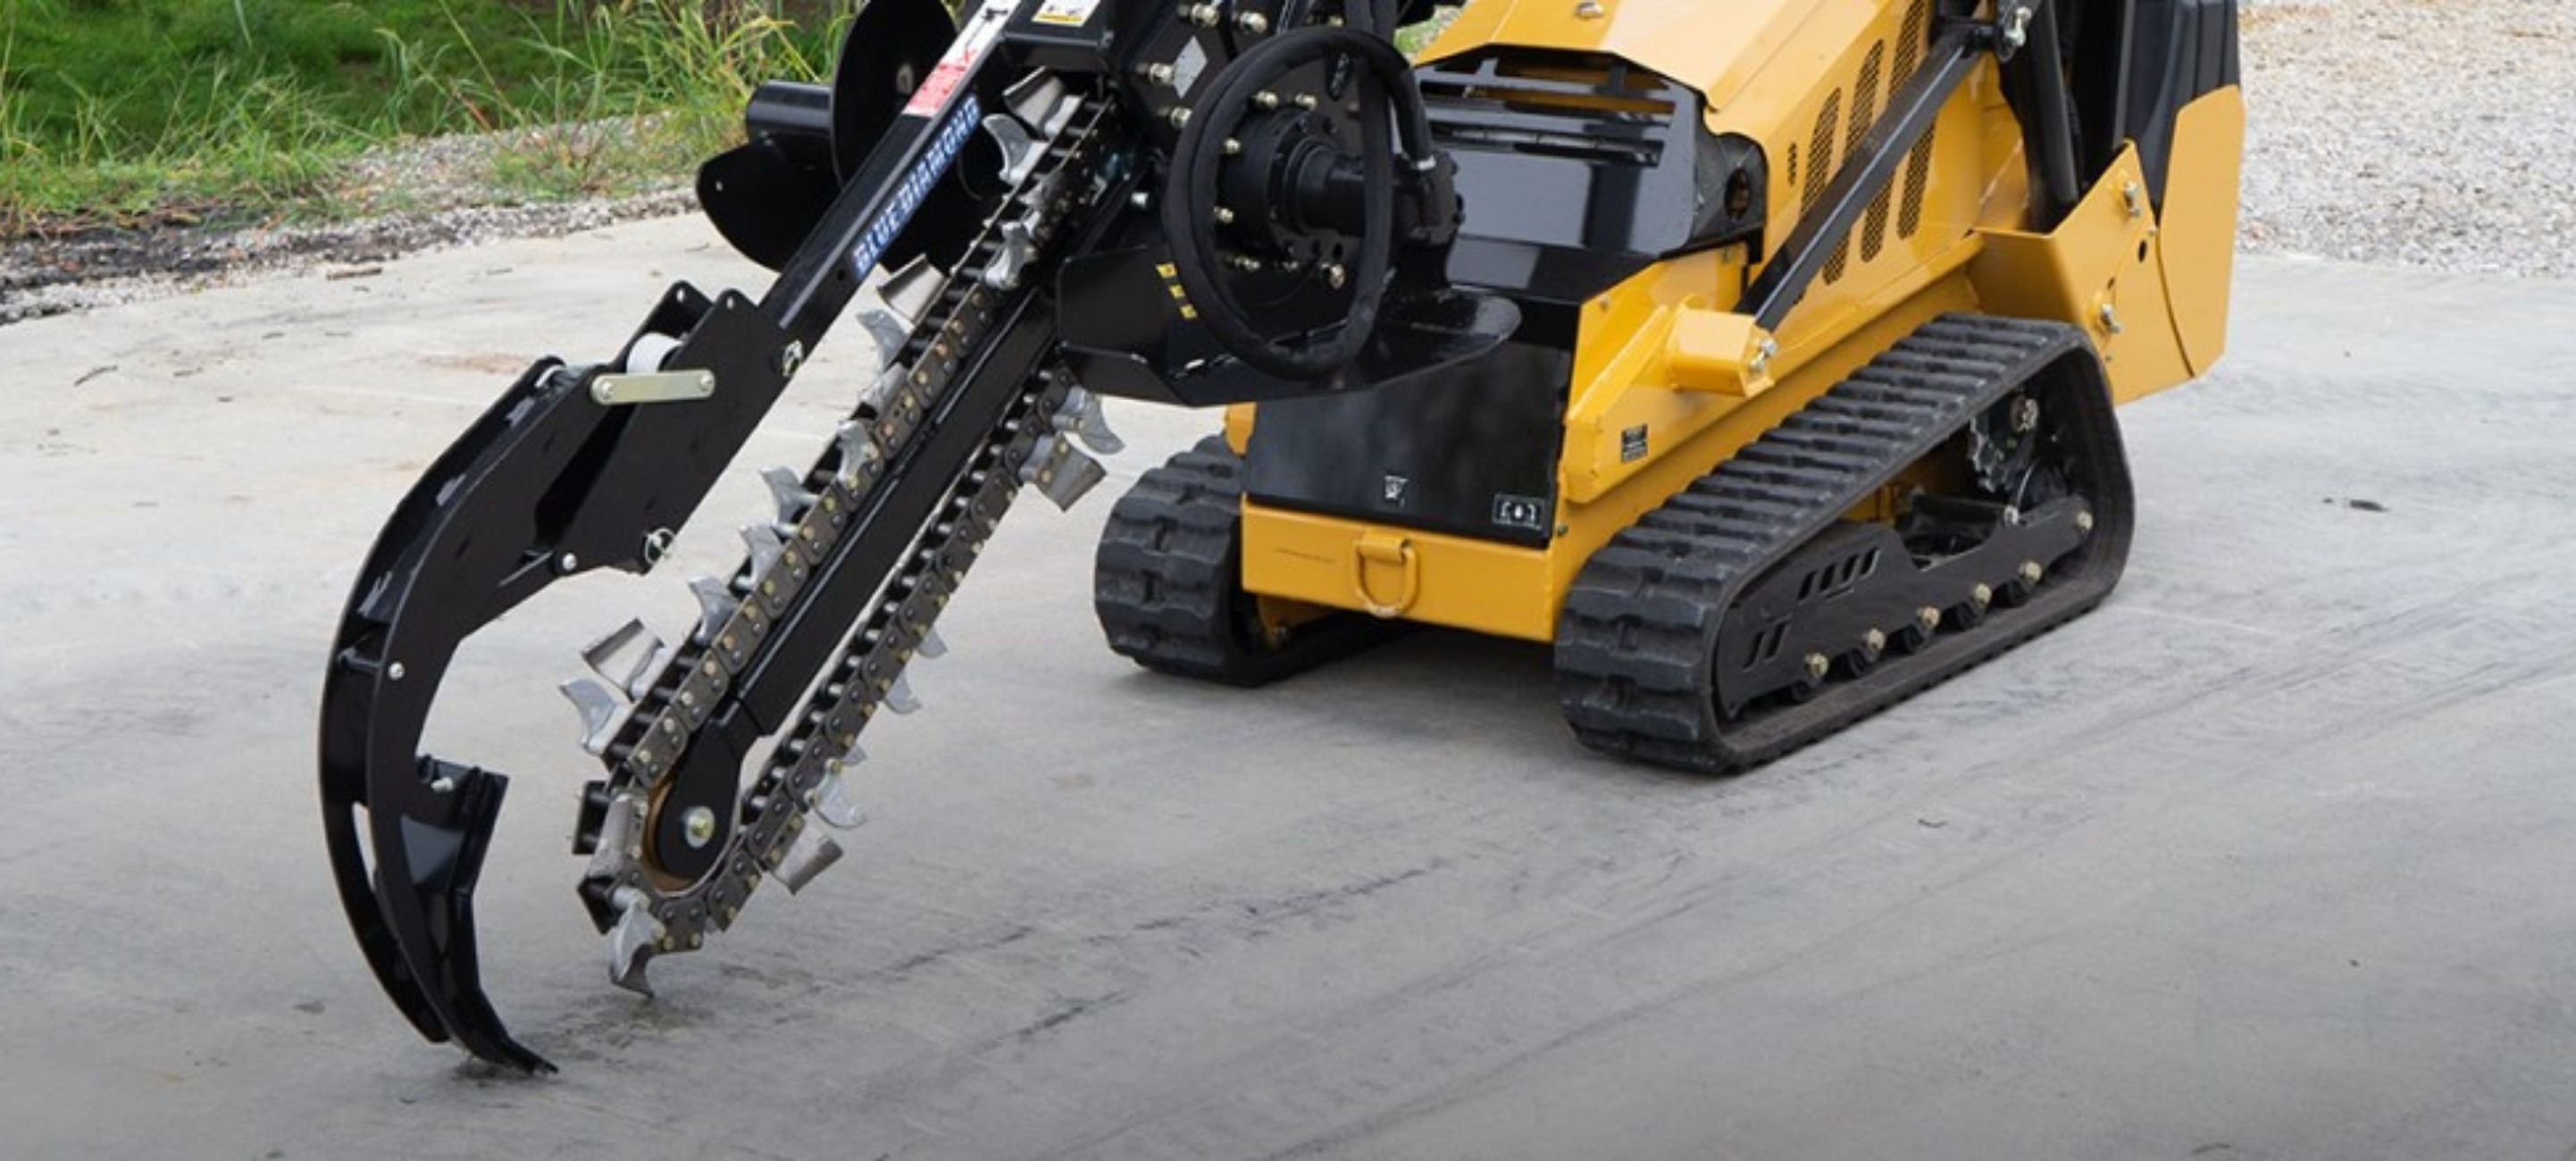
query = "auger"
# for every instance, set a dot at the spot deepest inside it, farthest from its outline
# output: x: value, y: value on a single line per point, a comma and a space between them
x: 1759, y: 357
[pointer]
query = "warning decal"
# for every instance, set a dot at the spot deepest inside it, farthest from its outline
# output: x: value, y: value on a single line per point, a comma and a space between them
x: 978, y: 35
x: 1066, y: 13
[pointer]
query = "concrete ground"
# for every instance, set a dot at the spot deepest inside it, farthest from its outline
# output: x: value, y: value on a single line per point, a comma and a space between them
x: 2269, y: 858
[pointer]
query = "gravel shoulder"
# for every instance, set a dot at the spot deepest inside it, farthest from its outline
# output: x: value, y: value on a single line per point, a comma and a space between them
x: 2412, y: 133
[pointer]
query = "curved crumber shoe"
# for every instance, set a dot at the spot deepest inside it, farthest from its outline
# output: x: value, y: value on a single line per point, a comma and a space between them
x: 430, y: 581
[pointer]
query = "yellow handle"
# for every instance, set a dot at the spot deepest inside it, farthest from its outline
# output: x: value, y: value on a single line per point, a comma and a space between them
x: 1386, y: 548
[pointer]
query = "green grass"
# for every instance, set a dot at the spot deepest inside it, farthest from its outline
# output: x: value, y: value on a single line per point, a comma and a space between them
x: 115, y: 110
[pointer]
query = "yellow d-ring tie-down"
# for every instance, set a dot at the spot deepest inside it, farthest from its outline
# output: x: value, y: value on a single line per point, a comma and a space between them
x: 1392, y: 549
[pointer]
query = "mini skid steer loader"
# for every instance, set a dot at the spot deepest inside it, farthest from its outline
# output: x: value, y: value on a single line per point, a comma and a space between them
x: 1758, y: 355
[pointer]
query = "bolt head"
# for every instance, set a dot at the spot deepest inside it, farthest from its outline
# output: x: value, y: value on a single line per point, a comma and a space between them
x: 568, y: 563
x: 1928, y: 617
x: 2084, y: 522
x: 395, y: 671
x: 1818, y: 665
x: 1982, y: 595
x: 699, y: 826
x: 1874, y: 641
x: 2031, y: 572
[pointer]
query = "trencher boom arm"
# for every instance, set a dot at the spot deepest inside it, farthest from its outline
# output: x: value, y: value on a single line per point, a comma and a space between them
x: 1199, y: 204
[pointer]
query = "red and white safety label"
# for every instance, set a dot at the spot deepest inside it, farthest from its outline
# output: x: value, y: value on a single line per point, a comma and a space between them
x: 978, y: 35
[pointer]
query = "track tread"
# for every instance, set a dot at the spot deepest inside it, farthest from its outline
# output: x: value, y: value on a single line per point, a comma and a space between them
x: 1166, y: 581
x: 1639, y: 626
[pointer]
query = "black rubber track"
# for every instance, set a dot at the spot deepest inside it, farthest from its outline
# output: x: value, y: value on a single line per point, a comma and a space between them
x: 1167, y: 582
x: 1637, y: 638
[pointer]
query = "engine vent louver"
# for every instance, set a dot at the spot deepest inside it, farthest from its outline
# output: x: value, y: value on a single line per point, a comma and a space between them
x: 1918, y: 165
x: 1820, y: 152
x: 1864, y: 114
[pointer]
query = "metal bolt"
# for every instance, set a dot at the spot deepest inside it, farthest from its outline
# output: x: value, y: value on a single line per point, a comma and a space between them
x: 1308, y: 102
x: 1246, y: 263
x: 699, y: 824
x: 1224, y: 216
x: 2137, y: 199
x: 791, y: 358
x: 1203, y: 15
x: 2111, y: 319
x: 1253, y: 23
x: 2031, y: 572
x: 443, y: 784
x: 2025, y: 414
x: 1161, y: 74
x: 1179, y: 116
x: 1762, y: 356
x: 1982, y: 596
x: 1233, y: 147
x: 567, y: 563
x: 1266, y: 99
x: 1873, y: 642
x: 394, y: 672
x: 1335, y: 276
x: 2012, y: 516
x: 1928, y: 617
x: 1818, y: 665
x: 2084, y: 522
x: 1588, y: 10
x: 2017, y: 28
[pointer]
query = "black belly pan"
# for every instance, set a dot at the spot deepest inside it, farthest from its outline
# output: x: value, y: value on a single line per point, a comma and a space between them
x: 1472, y: 451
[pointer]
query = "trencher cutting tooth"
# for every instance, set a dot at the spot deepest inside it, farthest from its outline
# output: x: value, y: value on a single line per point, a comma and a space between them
x: 1011, y: 259
x: 1083, y: 418
x: 900, y: 698
x: 1062, y: 473
x: 911, y: 291
x: 765, y: 545
x: 716, y: 606
x: 1042, y: 100
x: 832, y: 798
x: 787, y: 486
x: 859, y: 454
x: 1020, y: 149
x: 627, y: 657
x: 600, y: 712
x: 812, y: 853
x: 886, y: 331
x: 632, y: 940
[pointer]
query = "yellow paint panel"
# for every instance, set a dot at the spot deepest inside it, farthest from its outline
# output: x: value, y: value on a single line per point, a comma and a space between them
x: 2097, y: 271
x: 1492, y: 588
x: 2199, y: 242
x: 1717, y: 49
